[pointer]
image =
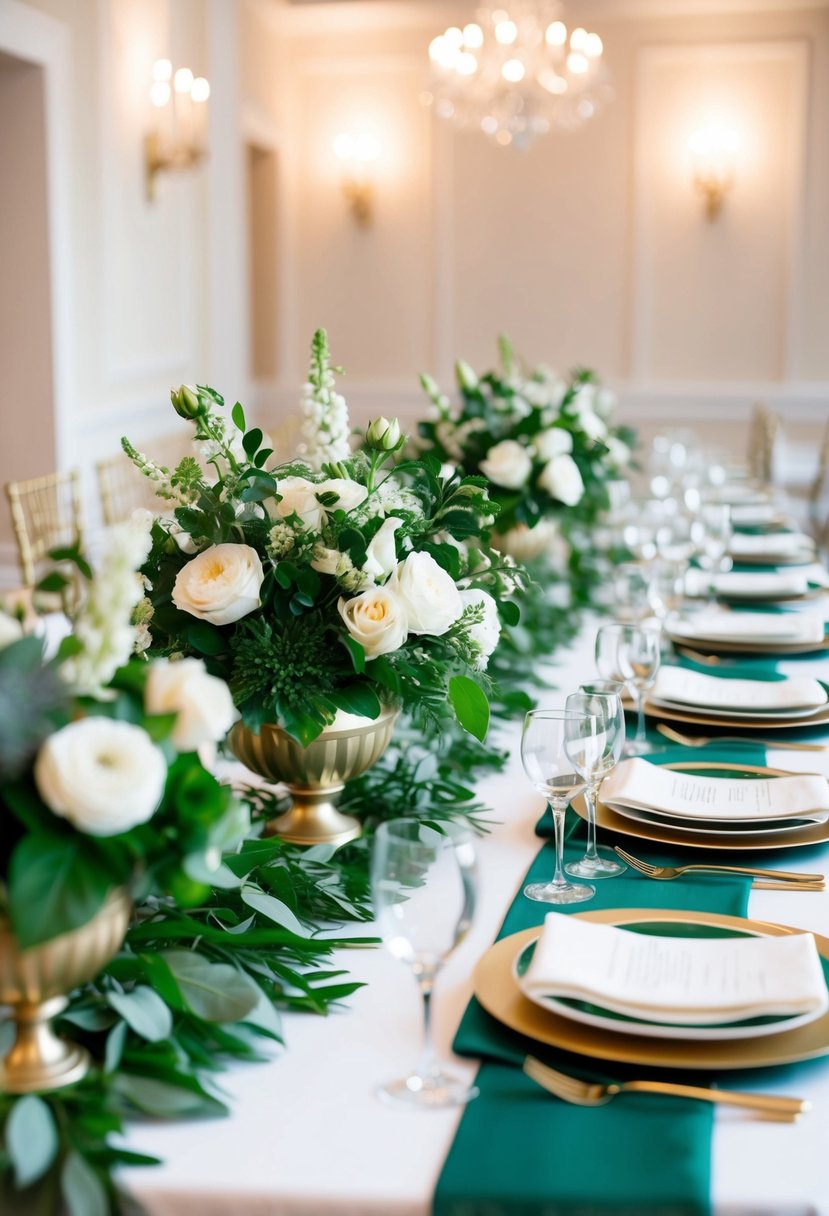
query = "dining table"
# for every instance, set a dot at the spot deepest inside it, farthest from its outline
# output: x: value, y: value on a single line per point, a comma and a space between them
x: 308, y: 1136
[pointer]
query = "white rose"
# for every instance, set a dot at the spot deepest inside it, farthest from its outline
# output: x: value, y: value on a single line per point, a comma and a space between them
x: 430, y: 598
x: 220, y: 585
x: 381, y: 555
x: 325, y: 560
x: 103, y: 775
x: 618, y: 452
x: 507, y: 464
x: 202, y: 703
x: 555, y: 441
x: 10, y: 630
x: 350, y: 493
x: 524, y: 543
x: 486, y: 632
x: 561, y: 479
x: 591, y: 424
x: 606, y: 402
x: 583, y: 398
x: 299, y: 497
x: 376, y: 619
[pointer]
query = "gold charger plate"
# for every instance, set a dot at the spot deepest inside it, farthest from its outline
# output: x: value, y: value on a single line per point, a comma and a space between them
x: 818, y: 718
x: 496, y: 987
x: 815, y: 833
x: 719, y: 646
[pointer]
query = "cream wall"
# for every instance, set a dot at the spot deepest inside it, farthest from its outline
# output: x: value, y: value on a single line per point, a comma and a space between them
x: 588, y: 249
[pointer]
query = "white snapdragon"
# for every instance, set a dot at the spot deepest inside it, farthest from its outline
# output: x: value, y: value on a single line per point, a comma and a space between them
x: 562, y: 480
x: 103, y: 775
x: 483, y: 633
x: 103, y: 625
x: 507, y: 464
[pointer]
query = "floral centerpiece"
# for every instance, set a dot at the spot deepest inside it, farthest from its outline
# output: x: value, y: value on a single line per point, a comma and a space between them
x: 335, y: 584
x: 547, y: 446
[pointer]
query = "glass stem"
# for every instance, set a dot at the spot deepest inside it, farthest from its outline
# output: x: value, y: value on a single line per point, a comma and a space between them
x: 591, y: 793
x: 428, y: 1065
x: 640, y: 736
x: 558, y: 820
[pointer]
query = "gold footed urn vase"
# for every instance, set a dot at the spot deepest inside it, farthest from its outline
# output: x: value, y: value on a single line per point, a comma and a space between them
x: 36, y: 983
x: 315, y: 775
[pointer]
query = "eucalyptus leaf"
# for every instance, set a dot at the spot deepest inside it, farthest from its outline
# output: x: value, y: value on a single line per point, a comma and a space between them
x: 275, y: 910
x: 144, y: 1012
x: 160, y: 1098
x: 83, y: 1191
x: 31, y: 1139
x: 215, y: 992
x: 115, y: 1047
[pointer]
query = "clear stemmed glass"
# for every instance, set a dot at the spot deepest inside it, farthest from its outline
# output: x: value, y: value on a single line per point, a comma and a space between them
x: 631, y: 653
x: 631, y: 590
x: 714, y: 526
x: 602, y: 700
x: 666, y: 589
x: 551, y: 742
x: 423, y: 884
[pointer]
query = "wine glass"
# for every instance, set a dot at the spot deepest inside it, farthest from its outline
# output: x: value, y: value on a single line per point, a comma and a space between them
x: 630, y: 653
x: 714, y: 535
x: 666, y: 589
x: 548, y: 742
x: 631, y: 591
x: 600, y: 699
x: 423, y: 885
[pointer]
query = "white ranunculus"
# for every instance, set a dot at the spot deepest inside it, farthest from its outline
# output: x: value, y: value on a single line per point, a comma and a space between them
x: 299, y: 497
x: 202, y: 703
x: 376, y: 619
x: 555, y: 441
x: 561, y: 479
x: 103, y: 775
x: 484, y: 633
x: 507, y: 464
x: 220, y: 585
x: 431, y: 600
x: 381, y: 555
x: 325, y: 560
x: 525, y: 543
x: 350, y: 493
x: 10, y: 630
x: 618, y: 452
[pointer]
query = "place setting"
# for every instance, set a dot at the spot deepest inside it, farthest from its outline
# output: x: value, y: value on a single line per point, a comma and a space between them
x: 751, y: 633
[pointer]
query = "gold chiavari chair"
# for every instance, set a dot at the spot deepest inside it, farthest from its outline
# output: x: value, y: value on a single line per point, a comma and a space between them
x: 819, y: 496
x: 46, y: 513
x: 123, y: 489
x: 285, y: 438
x: 762, y: 436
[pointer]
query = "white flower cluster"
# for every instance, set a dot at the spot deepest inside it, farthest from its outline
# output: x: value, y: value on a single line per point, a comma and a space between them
x: 510, y: 464
x: 107, y: 776
x: 103, y: 624
x: 325, y: 425
x: 281, y: 540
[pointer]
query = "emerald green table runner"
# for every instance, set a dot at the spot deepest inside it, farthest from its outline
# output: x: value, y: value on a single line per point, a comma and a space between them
x: 519, y: 1151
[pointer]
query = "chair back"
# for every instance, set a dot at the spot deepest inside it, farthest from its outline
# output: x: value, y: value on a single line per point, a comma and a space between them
x: 764, y: 430
x: 46, y: 513
x: 123, y: 489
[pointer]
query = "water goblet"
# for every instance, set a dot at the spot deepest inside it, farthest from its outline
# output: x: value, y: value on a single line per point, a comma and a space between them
x: 548, y: 742
x: 714, y: 535
x: 631, y: 591
x: 666, y: 589
x: 631, y: 653
x: 601, y: 699
x: 423, y: 884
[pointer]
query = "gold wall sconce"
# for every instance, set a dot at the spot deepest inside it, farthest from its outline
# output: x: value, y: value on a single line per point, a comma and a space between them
x: 713, y: 152
x: 178, y: 139
x: 357, y: 153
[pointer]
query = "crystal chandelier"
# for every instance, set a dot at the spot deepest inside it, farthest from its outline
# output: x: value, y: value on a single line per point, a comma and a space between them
x: 518, y: 73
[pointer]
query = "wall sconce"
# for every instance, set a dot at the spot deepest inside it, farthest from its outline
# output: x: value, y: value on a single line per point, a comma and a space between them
x: 357, y: 153
x: 713, y: 151
x: 178, y: 139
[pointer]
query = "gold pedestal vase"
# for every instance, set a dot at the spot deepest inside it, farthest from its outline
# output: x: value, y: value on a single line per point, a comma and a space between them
x: 315, y: 775
x: 36, y: 983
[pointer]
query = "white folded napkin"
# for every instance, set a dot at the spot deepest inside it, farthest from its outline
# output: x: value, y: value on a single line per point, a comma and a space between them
x: 754, y: 515
x: 769, y: 544
x: 676, y: 980
x: 789, y: 627
x: 741, y: 492
x: 643, y: 786
x: 704, y: 691
x: 749, y: 584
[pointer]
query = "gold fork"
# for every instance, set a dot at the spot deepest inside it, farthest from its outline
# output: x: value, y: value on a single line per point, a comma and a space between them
x: 701, y: 740
x: 588, y: 1093
x: 710, y: 660
x: 666, y: 873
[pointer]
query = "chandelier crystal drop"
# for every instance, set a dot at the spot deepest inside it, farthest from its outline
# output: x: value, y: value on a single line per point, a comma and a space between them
x: 518, y: 73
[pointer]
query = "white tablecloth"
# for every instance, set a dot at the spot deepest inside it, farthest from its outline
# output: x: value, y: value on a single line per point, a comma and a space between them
x: 307, y: 1136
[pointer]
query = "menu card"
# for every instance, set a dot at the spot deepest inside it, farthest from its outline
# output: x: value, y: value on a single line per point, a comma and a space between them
x: 789, y: 627
x: 696, y: 981
x: 643, y: 786
x: 676, y: 685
